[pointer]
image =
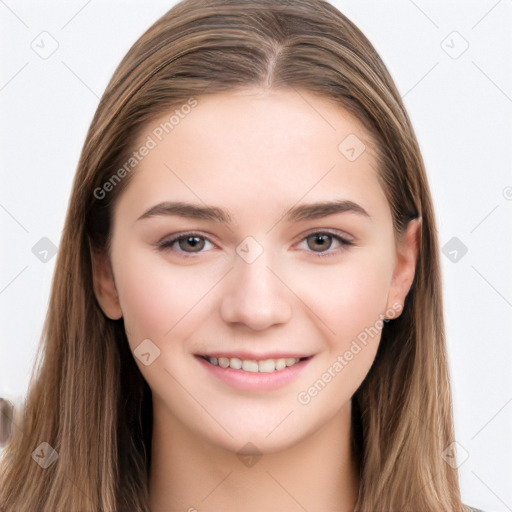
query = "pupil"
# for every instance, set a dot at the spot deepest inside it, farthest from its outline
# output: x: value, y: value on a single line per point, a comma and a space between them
x: 321, y: 239
x: 193, y: 241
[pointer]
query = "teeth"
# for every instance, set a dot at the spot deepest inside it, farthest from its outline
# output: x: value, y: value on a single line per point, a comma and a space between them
x: 224, y: 362
x: 269, y: 365
x: 250, y: 365
x: 235, y: 363
x: 280, y: 364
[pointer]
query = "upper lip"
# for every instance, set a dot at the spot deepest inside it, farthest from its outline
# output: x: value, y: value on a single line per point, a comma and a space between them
x: 256, y: 357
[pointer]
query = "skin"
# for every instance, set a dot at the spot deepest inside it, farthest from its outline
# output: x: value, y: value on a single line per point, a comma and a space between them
x: 257, y: 153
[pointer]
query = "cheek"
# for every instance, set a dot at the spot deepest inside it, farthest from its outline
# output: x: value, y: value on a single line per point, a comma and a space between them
x: 347, y: 296
x: 159, y: 300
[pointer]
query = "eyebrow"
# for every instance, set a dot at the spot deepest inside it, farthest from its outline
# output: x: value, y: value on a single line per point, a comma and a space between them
x: 298, y: 213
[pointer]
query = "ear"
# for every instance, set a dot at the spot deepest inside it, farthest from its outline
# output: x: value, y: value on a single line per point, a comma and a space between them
x: 405, y: 266
x: 104, y: 285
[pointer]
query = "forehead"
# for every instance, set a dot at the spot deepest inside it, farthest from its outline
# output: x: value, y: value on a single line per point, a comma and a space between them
x: 254, y: 147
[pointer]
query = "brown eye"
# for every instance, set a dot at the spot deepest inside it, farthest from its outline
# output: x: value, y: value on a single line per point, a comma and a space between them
x: 196, y: 243
x: 185, y: 244
x: 321, y: 244
x: 319, y: 241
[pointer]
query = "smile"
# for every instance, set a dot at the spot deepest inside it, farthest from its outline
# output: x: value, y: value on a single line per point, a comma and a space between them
x: 252, y: 365
x: 254, y: 374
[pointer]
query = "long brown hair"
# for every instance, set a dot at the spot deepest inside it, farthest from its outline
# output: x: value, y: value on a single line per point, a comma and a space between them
x: 88, y: 400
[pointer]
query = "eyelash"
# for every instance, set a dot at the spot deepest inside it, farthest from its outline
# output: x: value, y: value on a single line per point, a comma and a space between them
x: 167, y: 244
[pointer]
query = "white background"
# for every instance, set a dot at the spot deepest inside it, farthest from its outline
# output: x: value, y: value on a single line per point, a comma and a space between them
x: 461, y: 108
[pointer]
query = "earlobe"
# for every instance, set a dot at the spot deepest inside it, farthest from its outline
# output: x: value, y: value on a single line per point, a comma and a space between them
x: 405, y: 268
x: 104, y: 285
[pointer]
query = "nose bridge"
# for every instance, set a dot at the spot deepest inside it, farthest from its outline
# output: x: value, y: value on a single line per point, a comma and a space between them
x: 253, y: 294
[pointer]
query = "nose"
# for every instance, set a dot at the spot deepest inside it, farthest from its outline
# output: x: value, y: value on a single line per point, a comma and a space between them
x: 255, y: 296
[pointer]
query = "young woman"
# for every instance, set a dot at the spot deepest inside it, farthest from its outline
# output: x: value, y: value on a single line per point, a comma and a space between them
x: 246, y: 312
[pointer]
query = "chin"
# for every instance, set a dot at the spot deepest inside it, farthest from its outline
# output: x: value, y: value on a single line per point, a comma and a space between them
x: 265, y: 436
x: 255, y: 444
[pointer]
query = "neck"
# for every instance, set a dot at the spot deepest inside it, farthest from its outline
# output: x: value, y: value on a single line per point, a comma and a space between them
x: 188, y: 473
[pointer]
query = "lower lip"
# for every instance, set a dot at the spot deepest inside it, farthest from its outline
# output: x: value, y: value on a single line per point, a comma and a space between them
x: 255, y: 381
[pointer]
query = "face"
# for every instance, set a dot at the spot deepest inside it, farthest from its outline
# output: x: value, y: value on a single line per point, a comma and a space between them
x: 265, y: 276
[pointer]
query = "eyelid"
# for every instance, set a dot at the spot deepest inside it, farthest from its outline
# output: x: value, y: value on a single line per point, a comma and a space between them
x: 346, y: 241
x: 328, y: 231
x: 166, y: 241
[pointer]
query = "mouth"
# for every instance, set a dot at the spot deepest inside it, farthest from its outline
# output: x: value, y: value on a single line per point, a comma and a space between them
x: 268, y: 365
x: 255, y: 373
